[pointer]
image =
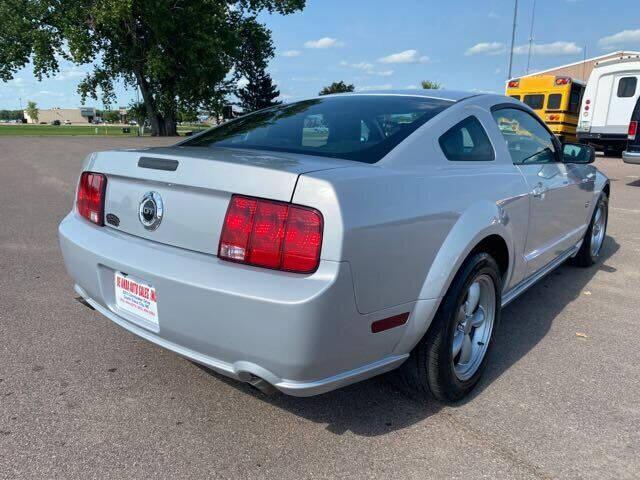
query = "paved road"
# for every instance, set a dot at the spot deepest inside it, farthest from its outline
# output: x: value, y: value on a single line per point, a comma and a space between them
x: 82, y: 398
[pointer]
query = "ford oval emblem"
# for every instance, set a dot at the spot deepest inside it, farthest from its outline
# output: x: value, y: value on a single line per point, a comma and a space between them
x: 150, y: 210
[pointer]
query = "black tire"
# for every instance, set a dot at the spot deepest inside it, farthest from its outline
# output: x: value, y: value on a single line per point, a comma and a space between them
x: 613, y: 152
x: 430, y: 367
x: 585, y: 257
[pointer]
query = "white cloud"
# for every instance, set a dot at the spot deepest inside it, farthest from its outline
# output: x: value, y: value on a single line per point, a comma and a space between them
x: 364, y: 66
x: 370, y: 88
x: 408, y: 56
x: 368, y: 68
x: 493, y: 15
x: 291, y: 53
x: 325, y: 42
x: 70, y: 73
x: 554, y: 48
x: 412, y: 87
x: 487, y: 48
x: 243, y: 82
x: 625, y: 37
x: 49, y: 93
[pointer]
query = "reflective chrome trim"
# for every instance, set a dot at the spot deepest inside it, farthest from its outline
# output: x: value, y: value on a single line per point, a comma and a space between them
x: 631, y: 157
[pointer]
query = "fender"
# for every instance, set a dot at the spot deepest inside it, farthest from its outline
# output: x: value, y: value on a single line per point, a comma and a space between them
x: 477, y: 223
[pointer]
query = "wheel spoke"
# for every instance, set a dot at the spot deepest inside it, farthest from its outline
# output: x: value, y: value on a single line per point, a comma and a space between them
x: 466, y: 350
x: 457, y: 343
x: 473, y: 298
x: 598, y: 215
x: 478, y: 318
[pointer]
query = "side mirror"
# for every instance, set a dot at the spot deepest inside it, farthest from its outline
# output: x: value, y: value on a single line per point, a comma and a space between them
x: 578, y: 153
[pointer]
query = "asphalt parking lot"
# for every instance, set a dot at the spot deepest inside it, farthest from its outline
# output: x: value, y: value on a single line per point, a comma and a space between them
x: 82, y: 398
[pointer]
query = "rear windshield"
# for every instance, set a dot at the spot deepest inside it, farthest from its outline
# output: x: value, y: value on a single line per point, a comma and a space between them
x: 534, y: 101
x: 363, y: 128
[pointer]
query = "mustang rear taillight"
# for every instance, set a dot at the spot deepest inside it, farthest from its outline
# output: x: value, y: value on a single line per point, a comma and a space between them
x: 633, y: 130
x: 90, y: 199
x: 271, y: 234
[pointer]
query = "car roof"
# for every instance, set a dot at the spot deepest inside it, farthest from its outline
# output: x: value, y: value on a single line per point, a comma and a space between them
x: 451, y: 95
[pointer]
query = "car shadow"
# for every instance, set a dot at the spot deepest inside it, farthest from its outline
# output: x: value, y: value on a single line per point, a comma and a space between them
x: 380, y: 405
x: 635, y: 183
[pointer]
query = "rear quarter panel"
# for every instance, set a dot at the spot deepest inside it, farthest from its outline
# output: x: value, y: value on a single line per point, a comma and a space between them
x: 405, y: 225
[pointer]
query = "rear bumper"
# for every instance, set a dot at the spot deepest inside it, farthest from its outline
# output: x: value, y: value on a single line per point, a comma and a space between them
x: 301, y: 334
x: 631, y: 157
x: 611, y: 140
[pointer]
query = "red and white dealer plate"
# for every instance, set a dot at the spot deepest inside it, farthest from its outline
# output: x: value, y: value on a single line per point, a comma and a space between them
x: 136, y: 297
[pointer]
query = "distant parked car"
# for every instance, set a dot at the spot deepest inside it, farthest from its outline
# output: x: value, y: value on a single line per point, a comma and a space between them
x: 67, y: 122
x: 632, y: 153
x: 55, y: 122
x: 278, y: 260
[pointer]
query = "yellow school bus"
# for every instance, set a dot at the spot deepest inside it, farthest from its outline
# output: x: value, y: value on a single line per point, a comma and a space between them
x: 556, y: 100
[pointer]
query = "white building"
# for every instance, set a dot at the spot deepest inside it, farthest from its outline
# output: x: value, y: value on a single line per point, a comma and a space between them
x: 80, y: 115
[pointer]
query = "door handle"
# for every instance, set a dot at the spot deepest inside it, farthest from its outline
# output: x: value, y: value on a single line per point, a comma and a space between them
x: 539, y: 190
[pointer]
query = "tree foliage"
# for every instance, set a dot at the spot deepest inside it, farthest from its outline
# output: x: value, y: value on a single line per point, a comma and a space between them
x: 259, y: 93
x: 337, y: 87
x: 181, y: 54
x: 11, y: 115
x: 111, y: 116
x: 431, y: 85
x: 32, y: 111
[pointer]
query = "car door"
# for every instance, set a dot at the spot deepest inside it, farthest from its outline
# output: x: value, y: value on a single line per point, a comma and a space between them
x: 556, y: 191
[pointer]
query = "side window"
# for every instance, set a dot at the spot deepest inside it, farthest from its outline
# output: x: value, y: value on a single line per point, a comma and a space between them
x: 554, y: 101
x: 517, y: 97
x: 527, y: 140
x: 467, y: 142
x: 627, y: 87
x: 575, y: 98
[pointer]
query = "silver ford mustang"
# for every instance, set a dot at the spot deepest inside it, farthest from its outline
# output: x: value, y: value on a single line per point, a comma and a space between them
x: 313, y: 245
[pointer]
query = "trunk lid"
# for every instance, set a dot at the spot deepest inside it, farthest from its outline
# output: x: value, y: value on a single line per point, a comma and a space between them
x: 195, y: 185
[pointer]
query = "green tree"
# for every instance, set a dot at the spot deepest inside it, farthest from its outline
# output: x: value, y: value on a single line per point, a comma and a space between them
x: 111, y: 116
x: 180, y: 54
x: 259, y: 93
x: 187, y: 116
x: 337, y: 87
x: 11, y: 114
x: 32, y: 111
x: 431, y: 85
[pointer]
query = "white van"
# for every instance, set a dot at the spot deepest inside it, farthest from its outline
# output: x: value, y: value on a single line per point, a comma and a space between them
x: 611, y: 94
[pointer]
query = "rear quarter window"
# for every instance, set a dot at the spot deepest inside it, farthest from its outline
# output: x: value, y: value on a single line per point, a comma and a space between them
x: 467, y: 141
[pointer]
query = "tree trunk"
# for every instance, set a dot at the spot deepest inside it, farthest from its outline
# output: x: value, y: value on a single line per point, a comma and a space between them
x: 155, y: 119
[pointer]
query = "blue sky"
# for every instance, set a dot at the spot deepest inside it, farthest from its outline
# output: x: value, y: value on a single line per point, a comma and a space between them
x: 380, y: 44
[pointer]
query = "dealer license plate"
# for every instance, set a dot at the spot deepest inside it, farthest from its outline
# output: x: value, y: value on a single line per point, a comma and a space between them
x: 136, y: 297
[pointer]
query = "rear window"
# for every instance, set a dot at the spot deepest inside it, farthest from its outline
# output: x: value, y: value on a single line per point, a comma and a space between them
x: 363, y: 128
x: 627, y: 87
x: 534, y: 101
x: 554, y: 101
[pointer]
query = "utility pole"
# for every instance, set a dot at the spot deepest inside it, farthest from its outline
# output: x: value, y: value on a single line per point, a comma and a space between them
x: 513, y: 39
x: 533, y: 17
